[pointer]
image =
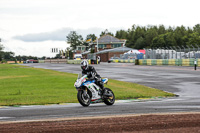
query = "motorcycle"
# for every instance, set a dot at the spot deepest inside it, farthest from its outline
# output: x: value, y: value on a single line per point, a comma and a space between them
x: 89, y: 92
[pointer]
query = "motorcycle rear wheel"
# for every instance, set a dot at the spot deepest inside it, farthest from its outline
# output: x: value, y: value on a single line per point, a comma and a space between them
x: 83, y: 100
x: 109, y: 100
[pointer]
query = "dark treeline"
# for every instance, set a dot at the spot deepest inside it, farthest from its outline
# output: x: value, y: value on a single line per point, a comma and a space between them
x: 10, y: 56
x: 140, y: 37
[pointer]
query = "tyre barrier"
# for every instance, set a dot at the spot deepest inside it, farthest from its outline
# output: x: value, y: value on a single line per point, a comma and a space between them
x: 124, y: 61
x: 73, y: 61
x: 169, y: 62
x: 54, y: 61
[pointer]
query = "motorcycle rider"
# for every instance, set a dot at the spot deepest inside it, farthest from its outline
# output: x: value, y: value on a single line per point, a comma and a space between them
x: 91, y: 73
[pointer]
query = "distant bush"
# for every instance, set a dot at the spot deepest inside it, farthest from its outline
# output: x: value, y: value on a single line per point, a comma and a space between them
x: 3, y: 61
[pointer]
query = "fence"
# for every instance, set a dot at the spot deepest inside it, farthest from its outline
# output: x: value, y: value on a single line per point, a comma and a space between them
x: 172, y: 53
x: 55, y: 61
x: 62, y: 61
x: 165, y: 53
x: 164, y: 56
x: 13, y: 62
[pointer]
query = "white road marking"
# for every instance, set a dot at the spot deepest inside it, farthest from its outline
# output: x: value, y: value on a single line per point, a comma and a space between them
x: 5, y: 118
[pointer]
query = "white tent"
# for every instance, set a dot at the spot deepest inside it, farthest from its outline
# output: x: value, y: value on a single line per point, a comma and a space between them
x: 133, y: 52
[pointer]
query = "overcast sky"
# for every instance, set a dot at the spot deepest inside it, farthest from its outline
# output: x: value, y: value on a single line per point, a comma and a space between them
x: 32, y: 27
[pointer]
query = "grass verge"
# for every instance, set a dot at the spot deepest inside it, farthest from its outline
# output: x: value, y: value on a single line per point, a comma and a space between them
x: 21, y: 85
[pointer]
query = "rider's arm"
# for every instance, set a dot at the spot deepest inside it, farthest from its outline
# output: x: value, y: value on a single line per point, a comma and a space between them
x: 93, y: 71
x: 95, y: 74
x: 84, y: 73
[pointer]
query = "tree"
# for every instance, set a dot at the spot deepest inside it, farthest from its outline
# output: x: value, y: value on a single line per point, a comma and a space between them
x: 134, y: 34
x: 169, y: 39
x: 139, y: 32
x: 69, y: 53
x: 89, y: 39
x: 197, y: 28
x: 43, y: 57
x: 130, y: 37
x: 57, y: 56
x: 106, y: 33
x: 24, y: 58
x: 74, y: 39
x: 91, y: 36
x: 6, y: 55
x: 149, y: 35
x: 158, y: 41
x: 1, y: 52
x: 139, y: 44
x: 122, y: 34
x: 9, y: 55
x: 170, y: 29
x: 1, y: 47
x: 194, y: 39
x: 179, y: 33
x: 161, y: 29
x: 164, y: 40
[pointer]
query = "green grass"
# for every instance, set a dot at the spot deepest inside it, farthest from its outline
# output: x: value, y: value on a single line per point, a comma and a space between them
x: 21, y: 85
x: 127, y: 90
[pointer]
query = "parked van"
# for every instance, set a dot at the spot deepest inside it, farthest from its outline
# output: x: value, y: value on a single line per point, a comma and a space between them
x: 77, y: 56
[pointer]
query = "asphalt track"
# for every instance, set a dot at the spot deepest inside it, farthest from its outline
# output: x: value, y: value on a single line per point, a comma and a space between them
x: 183, y: 81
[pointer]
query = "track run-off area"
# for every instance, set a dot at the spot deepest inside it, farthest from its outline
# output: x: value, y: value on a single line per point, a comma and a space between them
x: 182, y: 81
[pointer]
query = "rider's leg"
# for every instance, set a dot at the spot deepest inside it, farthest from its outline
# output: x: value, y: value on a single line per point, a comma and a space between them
x: 101, y: 84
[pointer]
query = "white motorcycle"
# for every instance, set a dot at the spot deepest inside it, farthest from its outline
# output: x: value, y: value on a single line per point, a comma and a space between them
x: 89, y: 92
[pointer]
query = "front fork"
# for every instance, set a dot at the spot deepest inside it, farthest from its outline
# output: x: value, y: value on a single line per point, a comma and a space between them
x: 85, y: 92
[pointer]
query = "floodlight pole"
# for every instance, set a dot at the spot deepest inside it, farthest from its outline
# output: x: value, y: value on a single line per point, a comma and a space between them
x: 193, y: 52
x: 189, y: 51
x: 180, y: 52
x: 155, y: 52
x: 172, y: 52
x: 198, y: 50
x: 124, y: 45
x: 175, y: 50
x: 168, y: 52
x: 184, y: 52
x: 165, y: 52
x: 97, y: 45
x: 152, y: 53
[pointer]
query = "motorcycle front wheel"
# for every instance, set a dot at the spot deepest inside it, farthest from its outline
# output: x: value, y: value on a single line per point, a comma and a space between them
x: 84, y: 99
x: 109, y: 100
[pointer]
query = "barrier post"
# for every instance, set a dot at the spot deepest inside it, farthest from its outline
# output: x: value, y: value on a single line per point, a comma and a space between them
x: 195, y: 64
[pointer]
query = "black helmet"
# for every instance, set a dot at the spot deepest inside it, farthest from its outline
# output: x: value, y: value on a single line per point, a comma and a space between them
x: 84, y: 64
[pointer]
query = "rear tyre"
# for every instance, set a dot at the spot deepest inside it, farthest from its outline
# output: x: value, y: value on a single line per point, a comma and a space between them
x: 109, y: 100
x: 83, y: 100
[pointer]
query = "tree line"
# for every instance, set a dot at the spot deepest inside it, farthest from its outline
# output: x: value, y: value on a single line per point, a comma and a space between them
x: 4, y: 56
x: 150, y: 36
x: 10, y: 56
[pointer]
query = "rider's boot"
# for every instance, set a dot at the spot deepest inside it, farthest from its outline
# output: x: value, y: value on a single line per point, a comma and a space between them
x: 103, y: 90
x: 101, y: 85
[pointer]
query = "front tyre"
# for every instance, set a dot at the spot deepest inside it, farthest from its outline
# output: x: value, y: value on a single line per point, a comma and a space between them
x: 84, y: 99
x: 109, y: 100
